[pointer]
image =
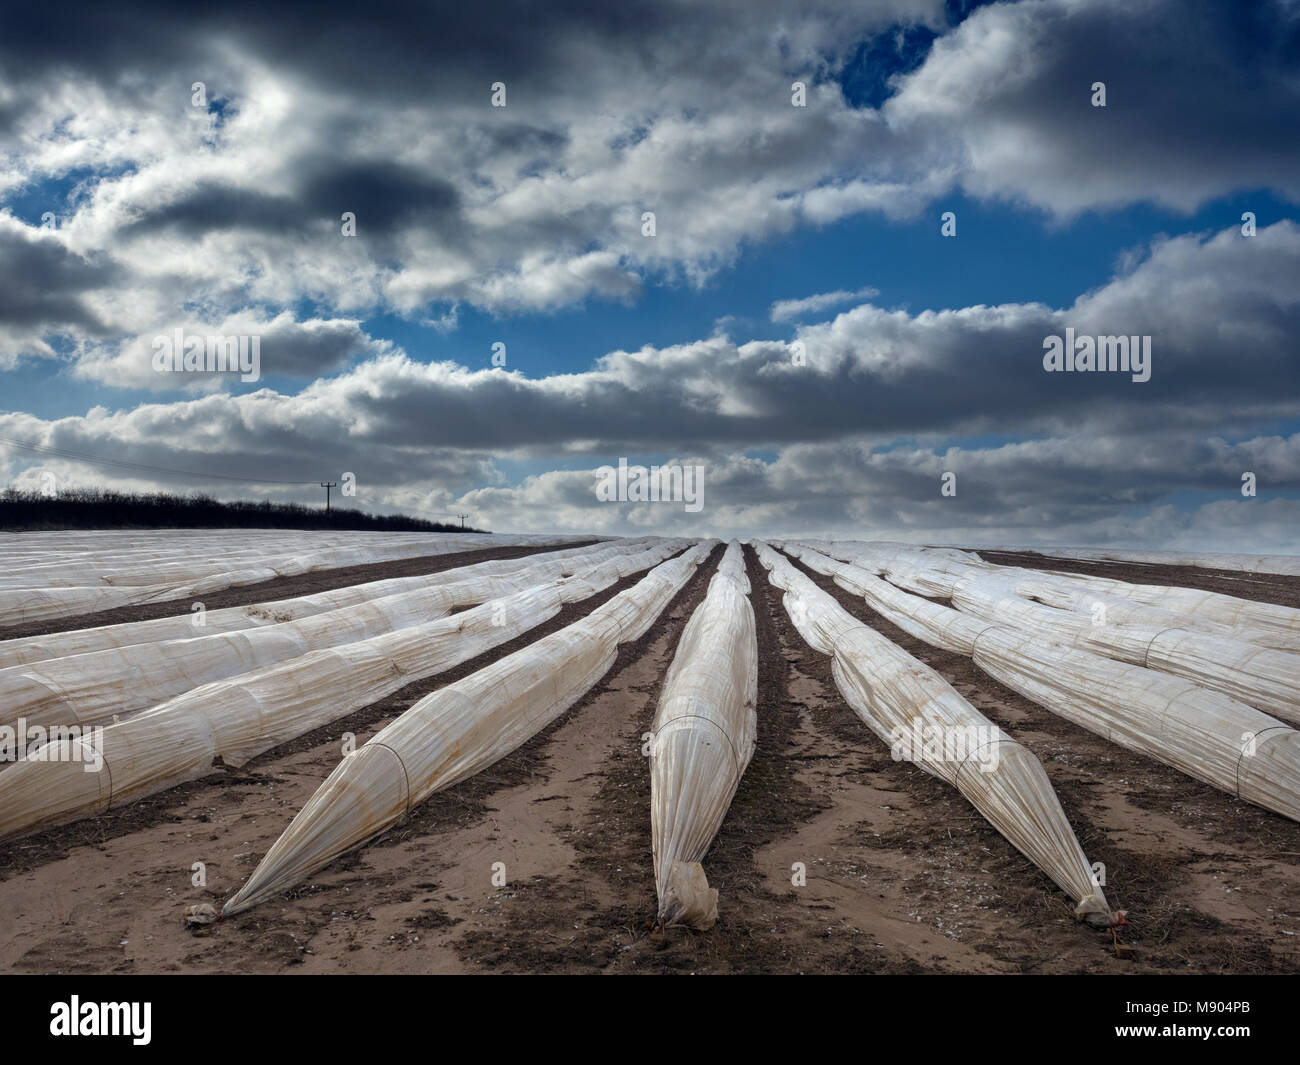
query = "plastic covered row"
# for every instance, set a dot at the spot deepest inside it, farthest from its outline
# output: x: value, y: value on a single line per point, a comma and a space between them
x: 458, y: 731
x: 1203, y: 733
x: 704, y: 733
x: 239, y: 718
x: 926, y: 722
x: 93, y: 687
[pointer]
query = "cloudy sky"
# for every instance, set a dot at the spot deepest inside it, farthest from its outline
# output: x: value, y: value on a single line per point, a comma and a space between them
x: 797, y: 323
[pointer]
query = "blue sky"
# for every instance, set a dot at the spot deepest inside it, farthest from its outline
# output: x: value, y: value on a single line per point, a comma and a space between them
x: 522, y: 225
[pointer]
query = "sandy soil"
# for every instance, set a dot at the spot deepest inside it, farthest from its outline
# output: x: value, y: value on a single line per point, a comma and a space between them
x: 902, y: 874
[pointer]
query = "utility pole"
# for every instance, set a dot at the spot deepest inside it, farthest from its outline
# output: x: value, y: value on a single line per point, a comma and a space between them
x: 327, y: 485
x: 462, y: 519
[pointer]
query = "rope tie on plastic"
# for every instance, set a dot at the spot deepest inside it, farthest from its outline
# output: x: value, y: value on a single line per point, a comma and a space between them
x: 1004, y: 738
x: 1255, y: 738
x: 974, y: 646
x: 735, y: 754
x: 406, y: 777
x: 1146, y: 655
x: 106, y: 768
x: 1190, y: 686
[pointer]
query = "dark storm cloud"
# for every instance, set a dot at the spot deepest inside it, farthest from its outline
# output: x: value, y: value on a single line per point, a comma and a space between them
x: 211, y: 206
x: 42, y: 283
x: 388, y: 197
x: 185, y: 436
x: 1201, y: 96
x: 386, y: 48
x: 382, y: 110
x: 303, y: 349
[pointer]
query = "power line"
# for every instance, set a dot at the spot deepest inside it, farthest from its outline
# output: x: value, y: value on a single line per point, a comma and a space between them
x: 56, y: 452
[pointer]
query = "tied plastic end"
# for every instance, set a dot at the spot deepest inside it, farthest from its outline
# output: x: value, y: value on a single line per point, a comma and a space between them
x: 1094, y: 910
x: 688, y: 899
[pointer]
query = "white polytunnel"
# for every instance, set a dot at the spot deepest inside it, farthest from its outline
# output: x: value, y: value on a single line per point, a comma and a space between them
x: 1240, y: 660
x: 96, y: 686
x: 26, y: 597
x: 902, y: 700
x: 1262, y: 677
x: 27, y: 649
x: 238, y: 718
x: 1065, y: 593
x: 1203, y: 733
x: 459, y: 730
x: 704, y: 733
x: 934, y: 571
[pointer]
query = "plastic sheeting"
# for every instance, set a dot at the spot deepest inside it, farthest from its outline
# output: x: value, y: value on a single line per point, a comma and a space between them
x: 939, y: 625
x: 91, y: 688
x: 1212, y: 606
x: 1064, y: 593
x: 458, y: 731
x: 42, y: 591
x: 1262, y: 677
x: 239, y: 718
x: 28, y: 649
x: 1203, y: 733
x: 1236, y: 660
x: 703, y: 738
x: 189, y: 555
x: 1270, y: 624
x: 912, y: 708
x: 925, y: 571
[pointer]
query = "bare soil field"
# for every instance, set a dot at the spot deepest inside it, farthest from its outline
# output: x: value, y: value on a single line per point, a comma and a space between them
x: 903, y: 875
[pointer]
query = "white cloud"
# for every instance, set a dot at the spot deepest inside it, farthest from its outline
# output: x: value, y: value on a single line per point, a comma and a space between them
x: 798, y: 309
x: 861, y: 432
x: 1198, y: 101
